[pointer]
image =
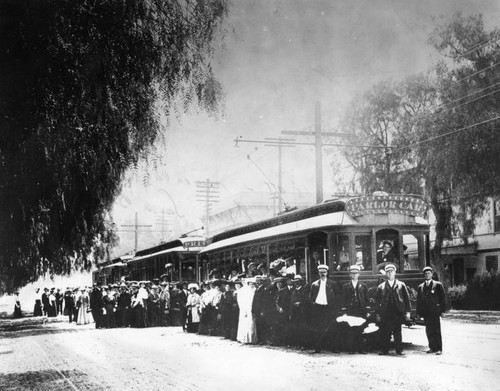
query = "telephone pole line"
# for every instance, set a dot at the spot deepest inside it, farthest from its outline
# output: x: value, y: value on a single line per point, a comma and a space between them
x: 136, y: 227
x: 318, y: 145
x: 207, y: 192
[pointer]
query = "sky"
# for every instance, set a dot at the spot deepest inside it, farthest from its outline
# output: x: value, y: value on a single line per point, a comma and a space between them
x: 276, y: 60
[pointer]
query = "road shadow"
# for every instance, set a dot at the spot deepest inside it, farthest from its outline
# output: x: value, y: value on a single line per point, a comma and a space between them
x: 47, y: 380
x: 36, y: 330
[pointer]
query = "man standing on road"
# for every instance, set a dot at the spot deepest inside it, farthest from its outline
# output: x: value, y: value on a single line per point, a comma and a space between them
x: 431, y: 304
x: 96, y: 306
x: 355, y: 302
x: 322, y: 297
x: 393, y: 308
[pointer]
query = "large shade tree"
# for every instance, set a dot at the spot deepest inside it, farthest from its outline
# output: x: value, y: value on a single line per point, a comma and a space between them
x: 443, y: 129
x: 82, y: 83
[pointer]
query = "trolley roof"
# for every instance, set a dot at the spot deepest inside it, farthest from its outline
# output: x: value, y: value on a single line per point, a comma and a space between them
x: 325, y: 220
x: 327, y: 207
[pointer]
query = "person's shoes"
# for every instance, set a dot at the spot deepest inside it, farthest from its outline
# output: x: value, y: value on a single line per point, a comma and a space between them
x: 361, y: 352
x: 430, y: 351
x: 335, y: 351
x: 383, y: 353
x: 316, y: 351
x: 400, y: 353
x: 439, y: 353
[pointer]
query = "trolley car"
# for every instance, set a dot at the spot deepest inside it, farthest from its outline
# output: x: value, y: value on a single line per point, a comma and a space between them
x: 338, y: 233
x: 111, y: 272
x: 176, y: 259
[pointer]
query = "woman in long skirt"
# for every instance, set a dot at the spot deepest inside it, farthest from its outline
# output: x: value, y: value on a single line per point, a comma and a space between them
x: 37, y: 311
x: 193, y: 307
x: 84, y: 315
x: 247, y: 331
x: 17, y: 307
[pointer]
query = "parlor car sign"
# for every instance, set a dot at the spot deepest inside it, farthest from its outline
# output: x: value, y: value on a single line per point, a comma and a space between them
x: 407, y: 205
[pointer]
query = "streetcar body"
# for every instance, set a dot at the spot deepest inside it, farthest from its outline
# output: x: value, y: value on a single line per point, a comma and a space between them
x: 338, y: 233
x: 176, y: 259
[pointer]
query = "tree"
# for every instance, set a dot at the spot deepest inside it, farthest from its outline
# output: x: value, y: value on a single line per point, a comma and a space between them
x: 443, y: 127
x: 81, y: 86
x: 382, y: 121
x: 459, y: 144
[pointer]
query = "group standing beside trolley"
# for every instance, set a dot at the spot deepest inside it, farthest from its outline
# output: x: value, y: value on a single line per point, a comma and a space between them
x: 317, y: 278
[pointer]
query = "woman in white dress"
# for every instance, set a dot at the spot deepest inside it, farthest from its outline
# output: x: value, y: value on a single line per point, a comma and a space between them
x: 247, y: 331
x: 84, y: 314
x: 193, y: 306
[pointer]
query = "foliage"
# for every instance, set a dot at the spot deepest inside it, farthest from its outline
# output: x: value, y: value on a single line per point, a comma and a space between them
x: 456, y: 296
x: 381, y: 120
x: 483, y: 291
x: 443, y: 128
x: 81, y: 82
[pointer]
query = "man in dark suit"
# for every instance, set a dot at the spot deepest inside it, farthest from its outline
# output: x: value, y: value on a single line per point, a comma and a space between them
x: 324, y: 305
x: 355, y: 302
x: 69, y: 305
x: 393, y: 308
x: 299, y: 312
x: 96, y: 306
x: 431, y: 304
x: 283, y: 303
x: 45, y: 301
x: 183, y: 294
x: 386, y: 256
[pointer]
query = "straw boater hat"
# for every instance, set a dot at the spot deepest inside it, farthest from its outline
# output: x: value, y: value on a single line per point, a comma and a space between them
x: 427, y: 268
x: 389, y: 267
x: 323, y: 267
x: 354, y: 269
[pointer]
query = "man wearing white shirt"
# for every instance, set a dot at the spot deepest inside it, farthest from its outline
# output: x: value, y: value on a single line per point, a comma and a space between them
x: 322, y: 297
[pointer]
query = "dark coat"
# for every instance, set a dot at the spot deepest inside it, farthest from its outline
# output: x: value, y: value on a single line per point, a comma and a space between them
x: 431, y: 301
x: 300, y: 302
x: 331, y: 296
x: 69, y: 301
x: 96, y: 299
x: 182, y: 299
x: 400, y: 294
x: 283, y: 301
x: 355, y: 301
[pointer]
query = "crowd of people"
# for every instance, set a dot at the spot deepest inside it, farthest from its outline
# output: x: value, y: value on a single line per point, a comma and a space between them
x: 269, y: 309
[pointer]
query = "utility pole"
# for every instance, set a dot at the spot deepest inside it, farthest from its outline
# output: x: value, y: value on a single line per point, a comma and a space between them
x: 318, y: 144
x: 207, y: 192
x: 166, y: 223
x: 136, y: 227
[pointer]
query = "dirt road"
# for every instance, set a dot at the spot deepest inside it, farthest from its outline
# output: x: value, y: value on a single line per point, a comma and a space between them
x: 58, y: 356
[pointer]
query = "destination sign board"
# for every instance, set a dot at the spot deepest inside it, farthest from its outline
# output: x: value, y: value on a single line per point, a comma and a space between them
x: 384, y: 204
x: 194, y: 243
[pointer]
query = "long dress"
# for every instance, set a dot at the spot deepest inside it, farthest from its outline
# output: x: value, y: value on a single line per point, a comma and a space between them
x: 193, y: 305
x: 17, y: 309
x: 37, y: 310
x: 247, y: 331
x: 84, y: 315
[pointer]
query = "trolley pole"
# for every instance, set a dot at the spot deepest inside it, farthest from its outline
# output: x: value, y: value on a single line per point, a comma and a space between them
x: 318, y: 144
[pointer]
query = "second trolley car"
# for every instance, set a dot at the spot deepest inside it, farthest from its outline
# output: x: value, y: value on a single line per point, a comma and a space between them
x: 177, y: 259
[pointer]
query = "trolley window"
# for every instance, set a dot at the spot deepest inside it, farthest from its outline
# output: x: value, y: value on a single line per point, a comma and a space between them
x: 363, y: 256
x: 412, y: 258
